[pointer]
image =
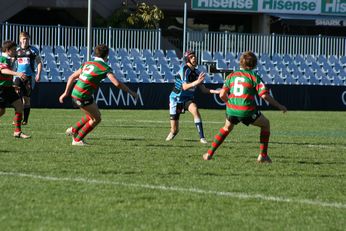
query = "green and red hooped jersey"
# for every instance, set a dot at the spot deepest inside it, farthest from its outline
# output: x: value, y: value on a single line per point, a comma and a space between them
x: 5, y: 80
x: 242, y: 86
x: 89, y: 80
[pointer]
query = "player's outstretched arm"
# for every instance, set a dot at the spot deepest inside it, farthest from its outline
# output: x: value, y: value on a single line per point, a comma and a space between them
x: 39, y: 68
x: 223, y: 95
x: 10, y: 72
x: 206, y: 90
x: 198, y: 81
x: 71, y: 79
x: 273, y: 102
x: 120, y: 85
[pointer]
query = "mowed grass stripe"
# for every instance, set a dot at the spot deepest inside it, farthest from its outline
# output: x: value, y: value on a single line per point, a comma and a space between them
x: 237, y: 195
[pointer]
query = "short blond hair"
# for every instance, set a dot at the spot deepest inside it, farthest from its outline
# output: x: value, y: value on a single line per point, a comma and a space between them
x: 24, y: 34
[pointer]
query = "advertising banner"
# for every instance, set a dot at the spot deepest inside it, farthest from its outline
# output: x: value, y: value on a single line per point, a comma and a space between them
x: 306, y: 7
x: 156, y: 96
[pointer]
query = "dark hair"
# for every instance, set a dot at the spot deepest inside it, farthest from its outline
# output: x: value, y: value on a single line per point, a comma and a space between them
x: 248, y: 60
x: 101, y: 51
x: 8, y: 45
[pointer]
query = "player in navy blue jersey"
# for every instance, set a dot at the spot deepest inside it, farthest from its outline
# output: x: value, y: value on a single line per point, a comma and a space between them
x: 27, y: 57
x: 182, y: 95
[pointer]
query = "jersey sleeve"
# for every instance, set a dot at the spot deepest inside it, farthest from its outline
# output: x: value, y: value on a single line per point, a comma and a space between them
x: 260, y: 86
x: 226, y: 84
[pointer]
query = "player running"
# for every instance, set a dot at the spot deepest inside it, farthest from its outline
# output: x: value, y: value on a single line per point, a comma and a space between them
x: 27, y: 56
x: 182, y: 96
x: 238, y: 92
x: 8, y: 94
x: 88, y: 79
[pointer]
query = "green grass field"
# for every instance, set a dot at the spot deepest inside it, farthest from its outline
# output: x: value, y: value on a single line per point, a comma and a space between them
x: 129, y: 178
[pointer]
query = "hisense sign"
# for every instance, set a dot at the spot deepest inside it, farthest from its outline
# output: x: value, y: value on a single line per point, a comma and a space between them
x: 228, y: 5
x: 334, y: 7
x: 312, y: 7
x: 290, y: 7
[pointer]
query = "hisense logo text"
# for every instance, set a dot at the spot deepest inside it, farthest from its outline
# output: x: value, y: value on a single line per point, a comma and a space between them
x: 336, y: 6
x: 288, y: 5
x: 231, y: 4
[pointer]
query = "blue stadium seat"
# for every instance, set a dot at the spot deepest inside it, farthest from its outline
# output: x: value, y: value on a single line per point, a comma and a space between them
x: 157, y: 77
x: 286, y: 59
x: 159, y: 54
x: 276, y: 58
x: 144, y: 77
x: 134, y: 52
x: 264, y: 58
x: 333, y: 60
x: 310, y: 59
x: 218, y: 55
x: 221, y: 64
x: 207, y: 57
x: 72, y: 50
x: 230, y: 56
x: 55, y: 75
x: 171, y: 54
x: 299, y: 60
x: 218, y: 78
x: 59, y: 50
x: 322, y: 59
x: 343, y: 61
x: 169, y: 77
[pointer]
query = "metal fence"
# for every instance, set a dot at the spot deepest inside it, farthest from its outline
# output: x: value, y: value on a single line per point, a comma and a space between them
x: 269, y: 44
x: 77, y: 36
x: 199, y: 41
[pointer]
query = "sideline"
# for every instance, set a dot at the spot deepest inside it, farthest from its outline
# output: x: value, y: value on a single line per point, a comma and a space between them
x: 237, y: 195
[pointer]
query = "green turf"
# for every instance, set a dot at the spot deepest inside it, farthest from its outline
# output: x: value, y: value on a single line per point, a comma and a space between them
x: 129, y: 178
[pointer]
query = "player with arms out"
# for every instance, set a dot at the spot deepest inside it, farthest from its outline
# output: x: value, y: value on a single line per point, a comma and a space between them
x: 88, y: 79
x: 8, y: 94
x: 27, y: 56
x: 238, y: 92
x: 182, y: 96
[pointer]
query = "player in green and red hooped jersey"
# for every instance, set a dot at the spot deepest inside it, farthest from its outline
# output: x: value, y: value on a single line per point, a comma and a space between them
x: 238, y: 92
x: 89, y: 77
x: 8, y: 94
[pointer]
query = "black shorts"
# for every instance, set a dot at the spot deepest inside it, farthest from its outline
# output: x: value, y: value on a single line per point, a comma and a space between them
x: 24, y: 85
x: 181, y: 107
x: 82, y: 103
x: 245, y: 120
x: 7, y: 96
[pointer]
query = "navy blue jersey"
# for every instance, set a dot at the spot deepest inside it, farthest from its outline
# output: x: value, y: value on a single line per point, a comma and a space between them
x: 26, y: 60
x: 186, y: 75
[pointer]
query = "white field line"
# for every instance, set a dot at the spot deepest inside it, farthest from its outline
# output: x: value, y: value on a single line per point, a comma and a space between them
x: 237, y: 195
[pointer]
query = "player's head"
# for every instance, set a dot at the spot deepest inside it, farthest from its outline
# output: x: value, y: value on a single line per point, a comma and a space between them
x: 190, y: 57
x: 9, y: 47
x: 24, y: 39
x: 248, y: 60
x: 101, y: 51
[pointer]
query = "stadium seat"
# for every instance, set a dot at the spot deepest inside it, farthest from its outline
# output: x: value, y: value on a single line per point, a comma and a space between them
x: 171, y: 54
x: 134, y: 52
x: 55, y: 75
x: 218, y: 56
x: 221, y: 64
x: 159, y: 54
x: 218, y: 78
x: 286, y: 59
x: 230, y: 56
x: 343, y: 61
x: 60, y: 50
x: 299, y: 60
x: 157, y: 77
x: 207, y: 57
x: 144, y: 77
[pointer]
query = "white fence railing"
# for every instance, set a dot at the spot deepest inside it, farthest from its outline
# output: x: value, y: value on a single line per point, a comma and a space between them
x: 199, y: 41
x: 77, y: 36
